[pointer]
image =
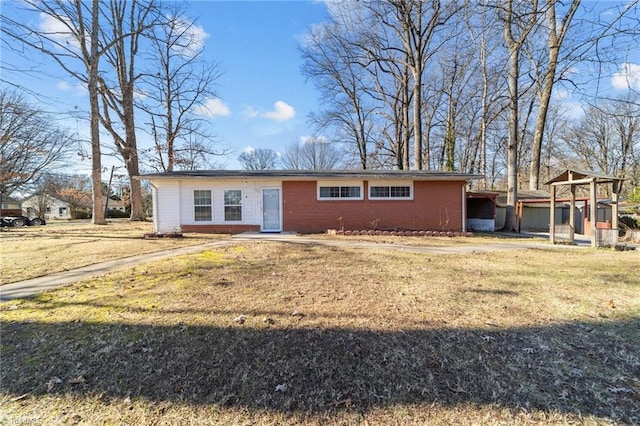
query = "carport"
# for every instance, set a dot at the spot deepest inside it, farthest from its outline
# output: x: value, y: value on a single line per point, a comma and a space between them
x: 600, y: 236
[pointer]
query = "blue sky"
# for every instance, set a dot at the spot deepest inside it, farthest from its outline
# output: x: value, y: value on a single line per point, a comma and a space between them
x: 264, y: 101
x: 256, y: 45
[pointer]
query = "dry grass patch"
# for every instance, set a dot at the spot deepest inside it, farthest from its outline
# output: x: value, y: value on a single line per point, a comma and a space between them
x: 273, y: 333
x: 31, y: 252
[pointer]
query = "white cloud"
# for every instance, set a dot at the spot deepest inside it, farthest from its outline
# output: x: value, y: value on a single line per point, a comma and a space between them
x: 250, y: 112
x: 58, y: 30
x: 248, y: 149
x: 77, y: 89
x: 282, y: 112
x: 306, y: 139
x: 213, y: 107
x: 192, y: 37
x: 628, y: 77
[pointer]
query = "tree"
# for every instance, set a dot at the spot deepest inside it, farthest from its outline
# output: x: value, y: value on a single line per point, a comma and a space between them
x: 314, y: 153
x: 75, y: 47
x: 127, y: 23
x: 177, y: 85
x: 259, y: 159
x: 517, y: 27
x: 30, y: 146
x: 557, y: 31
x: 332, y: 61
x: 607, y: 140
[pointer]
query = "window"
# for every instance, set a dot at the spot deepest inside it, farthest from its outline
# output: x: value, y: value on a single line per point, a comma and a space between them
x: 202, y: 205
x: 390, y: 192
x: 62, y: 211
x: 232, y: 205
x: 340, y: 192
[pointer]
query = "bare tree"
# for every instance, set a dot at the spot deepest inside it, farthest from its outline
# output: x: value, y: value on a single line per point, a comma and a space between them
x: 259, y: 159
x: 30, y: 146
x: 314, y: 153
x: 557, y: 32
x: 517, y: 27
x: 177, y: 86
x: 127, y: 23
x: 76, y: 49
x: 607, y: 139
x: 331, y: 61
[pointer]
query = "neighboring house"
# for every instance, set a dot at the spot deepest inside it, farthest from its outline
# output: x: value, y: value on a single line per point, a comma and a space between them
x: 114, y: 204
x: 307, y: 201
x: 10, y: 207
x: 55, y: 208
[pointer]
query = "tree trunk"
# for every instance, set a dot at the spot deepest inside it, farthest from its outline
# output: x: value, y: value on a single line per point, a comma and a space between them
x: 97, y: 217
x: 554, y: 44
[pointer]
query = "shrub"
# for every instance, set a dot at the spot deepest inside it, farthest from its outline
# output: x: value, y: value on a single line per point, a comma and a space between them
x: 115, y: 214
x: 629, y: 222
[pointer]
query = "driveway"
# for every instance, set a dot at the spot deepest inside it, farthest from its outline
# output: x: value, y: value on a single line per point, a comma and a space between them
x: 33, y: 286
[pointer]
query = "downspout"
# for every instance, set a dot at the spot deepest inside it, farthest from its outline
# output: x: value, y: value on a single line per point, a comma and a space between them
x: 154, y: 207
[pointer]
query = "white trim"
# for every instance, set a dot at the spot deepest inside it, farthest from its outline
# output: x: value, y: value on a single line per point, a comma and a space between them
x: 262, y: 189
x: 193, y: 201
x: 340, y: 184
x: 384, y: 183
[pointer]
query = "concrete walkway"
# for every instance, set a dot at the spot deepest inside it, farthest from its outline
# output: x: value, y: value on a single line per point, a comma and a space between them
x: 36, y: 285
x: 33, y: 286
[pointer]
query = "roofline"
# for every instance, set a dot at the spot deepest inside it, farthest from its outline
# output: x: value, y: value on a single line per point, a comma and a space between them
x: 313, y: 175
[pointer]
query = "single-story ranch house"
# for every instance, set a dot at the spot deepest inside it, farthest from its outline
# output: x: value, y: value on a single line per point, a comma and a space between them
x: 232, y: 201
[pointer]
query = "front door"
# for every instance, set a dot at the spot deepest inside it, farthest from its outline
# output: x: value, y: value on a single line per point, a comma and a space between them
x: 271, y: 210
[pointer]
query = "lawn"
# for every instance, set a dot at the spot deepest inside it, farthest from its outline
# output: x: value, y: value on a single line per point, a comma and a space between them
x: 280, y: 333
x: 31, y: 252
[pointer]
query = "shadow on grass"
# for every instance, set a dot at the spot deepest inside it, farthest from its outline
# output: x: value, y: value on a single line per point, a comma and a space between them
x: 575, y: 368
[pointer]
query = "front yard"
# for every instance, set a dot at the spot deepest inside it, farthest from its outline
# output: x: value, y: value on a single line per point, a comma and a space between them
x: 273, y: 333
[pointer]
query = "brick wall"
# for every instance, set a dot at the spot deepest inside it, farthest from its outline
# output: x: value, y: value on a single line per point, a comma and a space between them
x: 436, y: 205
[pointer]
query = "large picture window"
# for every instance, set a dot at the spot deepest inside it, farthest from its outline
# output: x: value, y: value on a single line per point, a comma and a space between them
x: 202, y: 205
x: 233, y: 205
x: 390, y: 192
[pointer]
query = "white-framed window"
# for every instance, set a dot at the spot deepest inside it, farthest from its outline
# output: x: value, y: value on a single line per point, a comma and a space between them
x: 233, y: 205
x: 340, y: 191
x: 202, y: 205
x: 390, y: 191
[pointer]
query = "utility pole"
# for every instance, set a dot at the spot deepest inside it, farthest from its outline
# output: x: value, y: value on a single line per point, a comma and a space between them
x: 106, y: 200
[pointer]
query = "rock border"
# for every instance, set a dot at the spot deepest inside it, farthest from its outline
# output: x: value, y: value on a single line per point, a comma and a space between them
x: 377, y: 232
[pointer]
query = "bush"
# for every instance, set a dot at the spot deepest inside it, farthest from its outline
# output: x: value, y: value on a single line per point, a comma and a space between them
x: 629, y: 222
x: 80, y: 214
x: 116, y: 214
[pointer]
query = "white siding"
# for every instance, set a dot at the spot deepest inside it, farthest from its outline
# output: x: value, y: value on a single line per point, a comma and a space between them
x: 166, y: 206
x: 173, y: 205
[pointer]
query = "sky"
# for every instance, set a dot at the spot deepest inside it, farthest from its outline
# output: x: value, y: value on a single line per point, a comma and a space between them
x: 263, y: 100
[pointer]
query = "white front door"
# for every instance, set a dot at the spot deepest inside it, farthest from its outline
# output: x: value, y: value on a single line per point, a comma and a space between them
x: 271, y: 217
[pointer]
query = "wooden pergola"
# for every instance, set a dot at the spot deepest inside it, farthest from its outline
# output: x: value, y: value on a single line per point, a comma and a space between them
x: 575, y: 178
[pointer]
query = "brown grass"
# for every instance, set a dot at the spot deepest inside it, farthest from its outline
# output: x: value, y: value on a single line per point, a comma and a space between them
x: 31, y: 252
x: 358, y: 337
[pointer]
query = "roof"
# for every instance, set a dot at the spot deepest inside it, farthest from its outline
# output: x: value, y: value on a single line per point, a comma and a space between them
x: 312, y: 174
x: 570, y: 175
x: 9, y: 200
